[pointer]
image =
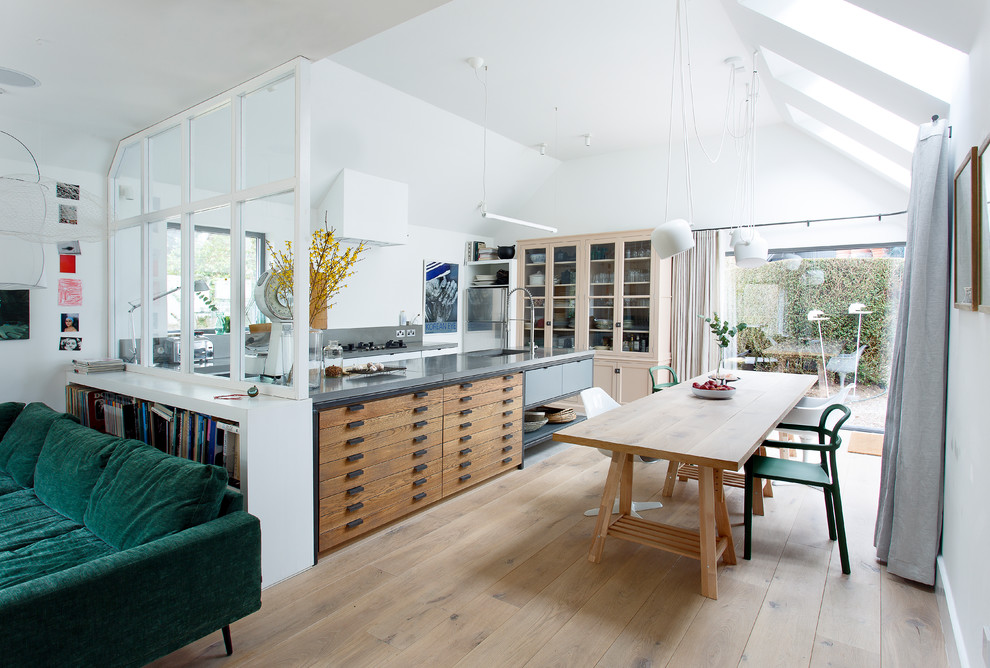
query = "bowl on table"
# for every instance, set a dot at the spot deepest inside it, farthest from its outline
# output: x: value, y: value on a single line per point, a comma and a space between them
x: 726, y: 393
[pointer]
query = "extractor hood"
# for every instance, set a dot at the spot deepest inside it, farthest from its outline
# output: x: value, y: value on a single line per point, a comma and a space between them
x: 362, y: 207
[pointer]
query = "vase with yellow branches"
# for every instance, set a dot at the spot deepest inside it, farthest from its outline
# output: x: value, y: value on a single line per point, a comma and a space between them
x: 329, y: 267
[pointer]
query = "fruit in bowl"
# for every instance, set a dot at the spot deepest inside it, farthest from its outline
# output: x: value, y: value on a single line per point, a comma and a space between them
x: 712, y: 389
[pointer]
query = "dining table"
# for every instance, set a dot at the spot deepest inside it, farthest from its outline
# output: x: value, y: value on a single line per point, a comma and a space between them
x: 715, y: 435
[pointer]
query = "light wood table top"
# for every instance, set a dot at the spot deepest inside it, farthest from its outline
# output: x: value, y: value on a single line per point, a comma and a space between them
x: 713, y: 434
x: 675, y: 424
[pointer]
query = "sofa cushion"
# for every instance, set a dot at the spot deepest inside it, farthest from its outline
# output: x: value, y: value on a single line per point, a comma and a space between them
x: 8, y: 413
x: 144, y: 494
x: 24, y: 519
x: 23, y: 441
x: 7, y: 484
x: 50, y: 555
x: 69, y: 465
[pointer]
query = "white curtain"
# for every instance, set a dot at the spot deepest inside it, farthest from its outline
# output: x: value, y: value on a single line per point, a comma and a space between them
x: 695, y: 291
x: 909, y: 518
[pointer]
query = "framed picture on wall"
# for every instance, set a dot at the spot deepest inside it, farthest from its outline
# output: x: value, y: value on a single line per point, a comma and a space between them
x: 983, y: 223
x: 15, y: 314
x: 440, y: 297
x: 966, y: 234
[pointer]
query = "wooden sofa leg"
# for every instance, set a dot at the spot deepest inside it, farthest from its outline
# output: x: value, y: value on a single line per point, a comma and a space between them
x: 227, y: 644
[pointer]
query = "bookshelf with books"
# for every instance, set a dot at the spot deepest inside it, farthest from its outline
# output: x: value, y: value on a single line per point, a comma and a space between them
x: 264, y: 442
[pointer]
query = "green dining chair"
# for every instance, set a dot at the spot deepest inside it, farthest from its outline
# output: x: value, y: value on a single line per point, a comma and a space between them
x: 657, y: 386
x: 824, y: 475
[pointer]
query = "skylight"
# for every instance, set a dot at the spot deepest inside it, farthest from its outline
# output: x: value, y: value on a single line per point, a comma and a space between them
x: 851, y: 147
x: 906, y: 55
x: 870, y: 115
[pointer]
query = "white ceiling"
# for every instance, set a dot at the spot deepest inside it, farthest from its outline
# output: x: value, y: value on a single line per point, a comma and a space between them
x: 110, y: 67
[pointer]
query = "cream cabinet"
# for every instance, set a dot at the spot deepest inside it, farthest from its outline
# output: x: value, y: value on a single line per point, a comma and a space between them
x: 602, y: 292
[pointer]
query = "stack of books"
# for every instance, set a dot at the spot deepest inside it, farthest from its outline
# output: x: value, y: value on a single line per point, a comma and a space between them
x: 97, y: 366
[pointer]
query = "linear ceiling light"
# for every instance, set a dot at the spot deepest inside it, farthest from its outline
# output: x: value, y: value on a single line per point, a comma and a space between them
x: 477, y: 63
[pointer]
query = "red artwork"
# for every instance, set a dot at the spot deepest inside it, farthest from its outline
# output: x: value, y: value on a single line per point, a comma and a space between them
x: 69, y: 292
x: 67, y: 264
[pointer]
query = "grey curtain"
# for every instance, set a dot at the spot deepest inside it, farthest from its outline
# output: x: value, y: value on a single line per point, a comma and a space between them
x: 909, y: 518
x: 695, y: 291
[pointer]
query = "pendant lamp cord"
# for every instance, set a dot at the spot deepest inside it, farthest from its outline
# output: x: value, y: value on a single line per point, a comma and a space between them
x: 670, y: 123
x: 484, y: 140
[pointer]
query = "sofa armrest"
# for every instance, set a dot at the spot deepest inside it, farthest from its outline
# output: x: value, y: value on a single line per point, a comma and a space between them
x: 133, y: 606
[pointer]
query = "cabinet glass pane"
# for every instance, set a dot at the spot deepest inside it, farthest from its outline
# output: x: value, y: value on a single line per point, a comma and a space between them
x: 563, y: 321
x: 535, y: 280
x: 164, y: 169
x: 601, y: 323
x: 165, y: 274
x: 268, y: 137
x: 209, y: 154
x: 211, y: 290
x: 601, y: 293
x: 127, y: 291
x: 564, y: 297
x: 636, y: 284
x: 127, y: 184
x: 264, y: 221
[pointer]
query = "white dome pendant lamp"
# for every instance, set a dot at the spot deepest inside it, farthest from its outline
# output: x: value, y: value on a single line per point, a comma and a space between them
x: 750, y: 248
x: 674, y: 236
x: 748, y: 245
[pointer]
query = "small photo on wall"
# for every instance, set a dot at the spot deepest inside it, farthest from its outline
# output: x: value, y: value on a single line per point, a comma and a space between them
x: 69, y: 292
x: 70, y: 343
x: 70, y: 322
x: 66, y: 190
x: 69, y: 248
x: 67, y: 264
x: 67, y: 214
x: 15, y: 314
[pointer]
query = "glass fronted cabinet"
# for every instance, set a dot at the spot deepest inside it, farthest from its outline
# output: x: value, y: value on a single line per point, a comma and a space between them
x: 534, y: 273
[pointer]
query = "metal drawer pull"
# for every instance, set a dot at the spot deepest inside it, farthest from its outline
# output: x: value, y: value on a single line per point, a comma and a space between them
x: 421, y: 437
x: 355, y: 440
x: 420, y: 409
x: 356, y: 456
x: 464, y: 465
x: 417, y: 483
x: 355, y: 506
x: 509, y: 377
x: 355, y: 490
x: 421, y: 495
x: 466, y: 438
x: 506, y: 425
x: 507, y: 401
x: 467, y: 398
x: 419, y: 453
x: 465, y: 386
x: 507, y: 460
x: 464, y: 477
x: 467, y: 411
x: 507, y: 413
x: 506, y: 437
x: 465, y: 451
x: 508, y: 389
x: 355, y: 424
x: 420, y: 395
x: 465, y: 425
x: 420, y: 424
x: 506, y: 448
x: 354, y: 523
x: 355, y: 474
x: 420, y: 467
x: 356, y: 407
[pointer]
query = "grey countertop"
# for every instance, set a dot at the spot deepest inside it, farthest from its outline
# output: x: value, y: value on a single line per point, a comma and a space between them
x: 438, y: 370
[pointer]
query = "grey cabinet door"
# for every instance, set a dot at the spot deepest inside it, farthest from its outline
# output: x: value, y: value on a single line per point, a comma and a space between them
x: 542, y: 384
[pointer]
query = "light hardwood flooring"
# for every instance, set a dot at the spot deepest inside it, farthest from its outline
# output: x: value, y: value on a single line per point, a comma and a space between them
x: 499, y: 576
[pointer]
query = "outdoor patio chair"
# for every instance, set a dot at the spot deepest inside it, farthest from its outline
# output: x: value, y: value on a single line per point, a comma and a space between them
x: 824, y: 475
x: 845, y: 364
x: 597, y: 401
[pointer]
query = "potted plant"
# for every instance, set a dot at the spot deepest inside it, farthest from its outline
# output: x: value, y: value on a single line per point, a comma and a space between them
x: 723, y: 333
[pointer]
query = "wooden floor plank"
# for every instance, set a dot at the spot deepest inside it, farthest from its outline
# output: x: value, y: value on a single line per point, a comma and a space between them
x: 911, y: 632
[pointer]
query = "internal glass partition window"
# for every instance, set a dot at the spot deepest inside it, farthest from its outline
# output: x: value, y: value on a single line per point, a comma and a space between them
x: 164, y: 169
x: 856, y: 291
x: 209, y: 153
x: 269, y: 133
x: 127, y: 291
x: 127, y: 183
x: 164, y: 241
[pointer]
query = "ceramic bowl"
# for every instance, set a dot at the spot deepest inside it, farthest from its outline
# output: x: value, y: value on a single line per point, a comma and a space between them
x: 714, y: 394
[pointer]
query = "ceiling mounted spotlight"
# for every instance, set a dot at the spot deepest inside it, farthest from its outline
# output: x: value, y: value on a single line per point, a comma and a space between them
x: 9, y: 77
x: 587, y: 139
x: 476, y: 62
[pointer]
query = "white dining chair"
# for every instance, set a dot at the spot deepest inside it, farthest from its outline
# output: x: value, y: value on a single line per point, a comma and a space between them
x: 808, y: 412
x: 597, y: 401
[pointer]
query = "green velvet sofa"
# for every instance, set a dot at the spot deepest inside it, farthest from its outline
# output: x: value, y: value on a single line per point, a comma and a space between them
x: 111, y: 552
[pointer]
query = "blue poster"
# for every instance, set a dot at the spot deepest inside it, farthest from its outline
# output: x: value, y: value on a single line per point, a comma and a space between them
x: 441, y: 298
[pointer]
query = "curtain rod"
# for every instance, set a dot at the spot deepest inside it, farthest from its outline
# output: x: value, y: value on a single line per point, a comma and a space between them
x: 809, y: 221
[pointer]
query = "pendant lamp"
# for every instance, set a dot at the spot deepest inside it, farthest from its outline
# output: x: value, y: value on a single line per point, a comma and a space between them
x: 674, y: 236
x: 749, y: 247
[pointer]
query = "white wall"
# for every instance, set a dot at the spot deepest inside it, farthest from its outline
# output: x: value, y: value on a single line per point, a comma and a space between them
x: 34, y: 369
x: 966, y: 532
x: 797, y: 178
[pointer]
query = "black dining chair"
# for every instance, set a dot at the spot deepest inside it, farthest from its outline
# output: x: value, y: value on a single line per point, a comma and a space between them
x: 824, y: 475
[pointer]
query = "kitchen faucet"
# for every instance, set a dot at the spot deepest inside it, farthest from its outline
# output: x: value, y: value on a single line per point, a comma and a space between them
x: 532, y: 319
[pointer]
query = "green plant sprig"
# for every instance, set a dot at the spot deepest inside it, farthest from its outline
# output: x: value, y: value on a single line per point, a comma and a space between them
x: 721, y: 329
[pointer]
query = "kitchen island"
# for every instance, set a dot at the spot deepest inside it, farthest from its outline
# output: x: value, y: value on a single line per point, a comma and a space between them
x: 391, y: 443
